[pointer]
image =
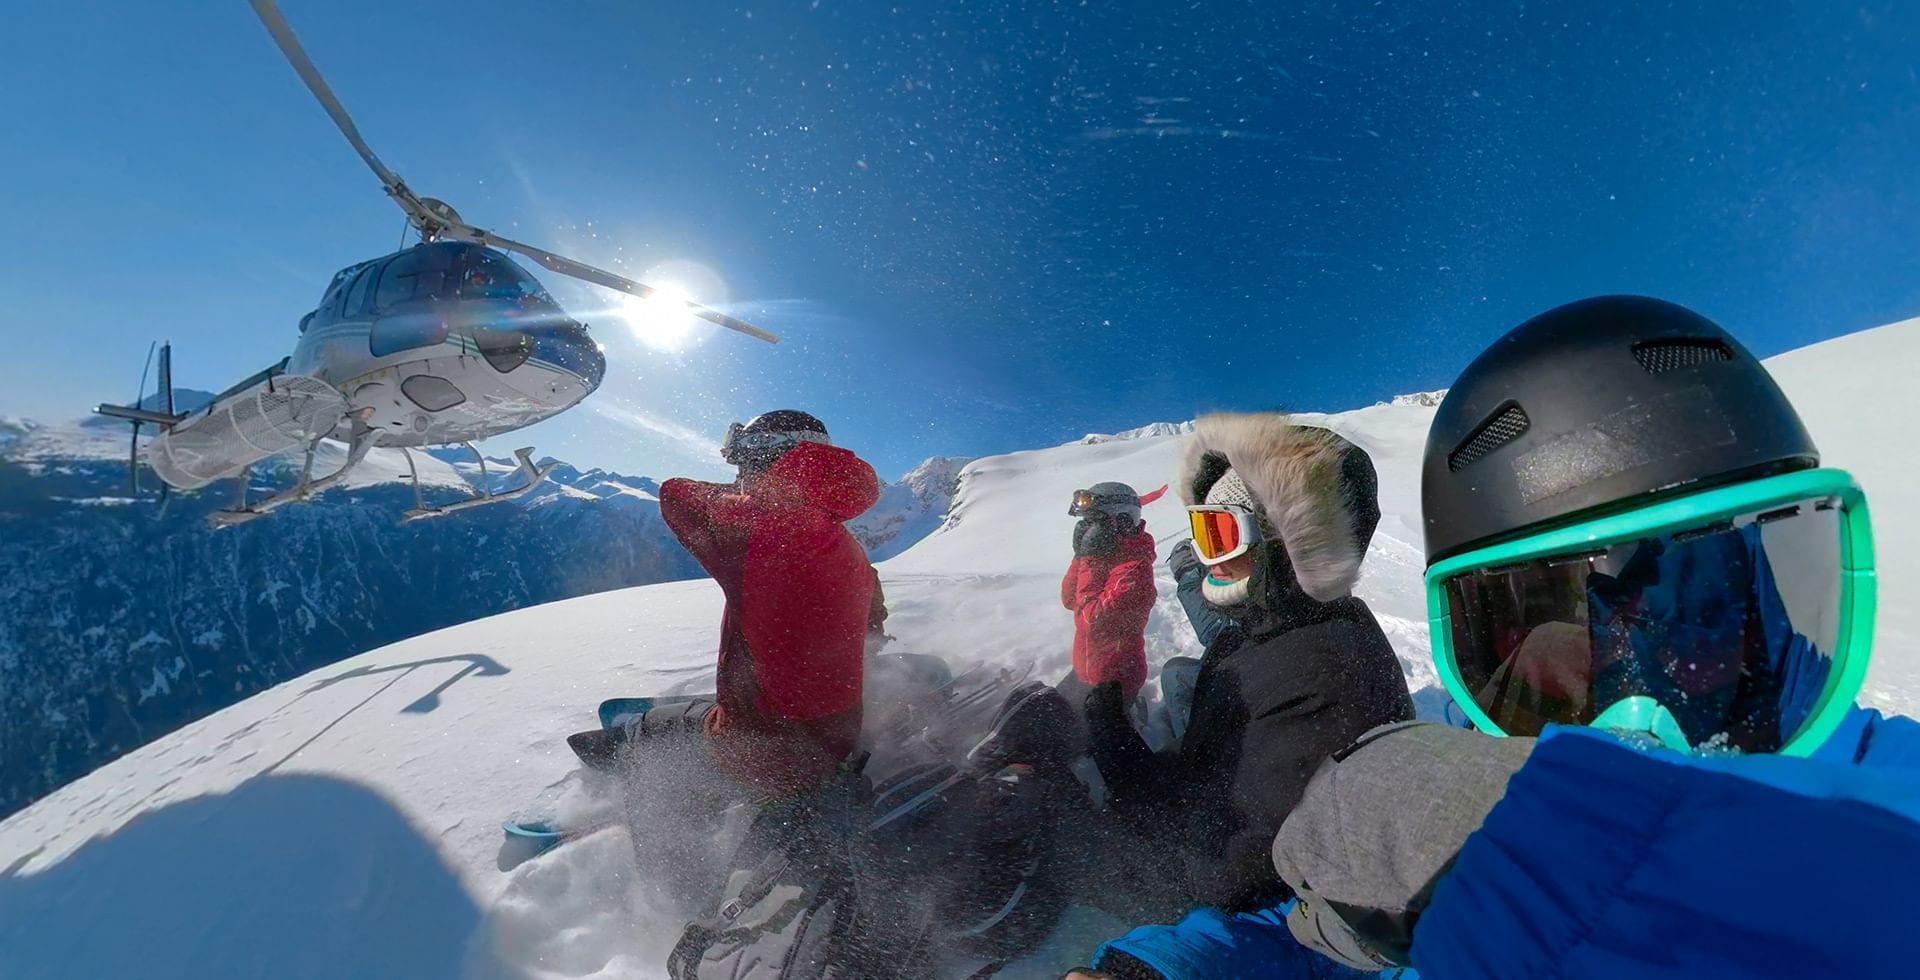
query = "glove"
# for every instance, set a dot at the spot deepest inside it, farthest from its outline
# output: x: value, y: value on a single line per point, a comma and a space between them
x: 1377, y: 827
x: 1094, y: 537
x: 1182, y: 560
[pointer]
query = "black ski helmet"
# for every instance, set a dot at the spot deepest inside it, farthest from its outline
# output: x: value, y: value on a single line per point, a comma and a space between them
x: 1111, y: 498
x: 1594, y: 406
x: 776, y: 431
x: 785, y: 420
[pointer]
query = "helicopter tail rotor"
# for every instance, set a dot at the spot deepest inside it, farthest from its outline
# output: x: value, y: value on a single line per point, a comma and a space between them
x: 161, y: 416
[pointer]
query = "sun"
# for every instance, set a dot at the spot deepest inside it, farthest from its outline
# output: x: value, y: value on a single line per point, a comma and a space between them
x: 662, y: 319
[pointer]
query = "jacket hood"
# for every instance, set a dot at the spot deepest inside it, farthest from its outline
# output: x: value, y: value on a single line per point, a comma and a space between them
x: 816, y: 475
x: 1317, y: 493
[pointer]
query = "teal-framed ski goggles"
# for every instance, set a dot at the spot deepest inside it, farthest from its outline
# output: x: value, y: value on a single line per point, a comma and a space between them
x: 1738, y: 618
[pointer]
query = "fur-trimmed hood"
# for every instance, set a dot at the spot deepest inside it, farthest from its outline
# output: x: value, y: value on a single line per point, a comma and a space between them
x: 1317, y: 491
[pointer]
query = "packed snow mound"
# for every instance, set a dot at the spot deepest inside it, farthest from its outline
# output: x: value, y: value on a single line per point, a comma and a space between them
x: 346, y: 823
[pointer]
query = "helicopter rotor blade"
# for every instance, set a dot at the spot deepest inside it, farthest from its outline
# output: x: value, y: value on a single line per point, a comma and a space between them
x: 580, y: 270
x: 283, y: 36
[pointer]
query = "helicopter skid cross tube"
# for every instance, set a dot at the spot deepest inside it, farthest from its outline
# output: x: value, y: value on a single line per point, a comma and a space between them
x: 536, y: 475
x: 359, y: 442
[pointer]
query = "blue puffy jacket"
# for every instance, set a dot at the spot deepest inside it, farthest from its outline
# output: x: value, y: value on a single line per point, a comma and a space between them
x: 1208, y: 622
x: 1605, y: 860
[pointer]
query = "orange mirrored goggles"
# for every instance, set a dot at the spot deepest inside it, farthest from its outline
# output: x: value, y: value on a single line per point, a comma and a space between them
x: 1222, y: 531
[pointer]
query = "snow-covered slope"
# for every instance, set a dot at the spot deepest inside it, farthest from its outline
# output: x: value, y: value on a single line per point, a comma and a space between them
x: 345, y: 823
x: 120, y: 619
x: 1859, y: 398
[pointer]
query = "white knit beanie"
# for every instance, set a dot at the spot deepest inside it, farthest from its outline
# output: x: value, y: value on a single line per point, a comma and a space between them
x: 1231, y: 490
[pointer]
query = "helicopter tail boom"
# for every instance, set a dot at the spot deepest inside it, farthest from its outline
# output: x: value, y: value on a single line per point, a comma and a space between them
x: 276, y: 415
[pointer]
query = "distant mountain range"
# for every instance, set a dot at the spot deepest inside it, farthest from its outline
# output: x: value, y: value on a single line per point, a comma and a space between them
x: 122, y: 619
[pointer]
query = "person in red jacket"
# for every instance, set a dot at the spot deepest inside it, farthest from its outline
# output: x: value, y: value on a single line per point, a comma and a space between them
x: 799, y: 596
x: 1109, y: 588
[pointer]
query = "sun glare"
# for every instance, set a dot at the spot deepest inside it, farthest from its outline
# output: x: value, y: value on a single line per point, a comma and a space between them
x: 661, y: 320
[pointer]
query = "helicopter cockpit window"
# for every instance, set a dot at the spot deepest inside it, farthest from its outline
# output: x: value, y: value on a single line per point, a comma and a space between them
x: 397, y: 282
x: 488, y: 276
x: 417, y: 276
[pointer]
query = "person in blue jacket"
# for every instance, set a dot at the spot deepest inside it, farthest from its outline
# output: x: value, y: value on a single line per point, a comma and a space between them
x: 1188, y: 572
x: 1642, y: 583
x: 1639, y: 578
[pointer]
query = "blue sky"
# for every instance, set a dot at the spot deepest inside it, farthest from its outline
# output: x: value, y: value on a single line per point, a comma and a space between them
x: 980, y: 226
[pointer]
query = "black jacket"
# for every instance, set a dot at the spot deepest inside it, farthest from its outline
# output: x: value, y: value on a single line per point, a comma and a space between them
x: 1277, y: 694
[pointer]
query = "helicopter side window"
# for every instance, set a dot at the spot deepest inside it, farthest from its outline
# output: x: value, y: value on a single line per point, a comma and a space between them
x: 333, y: 288
x: 398, y: 281
x: 357, y: 293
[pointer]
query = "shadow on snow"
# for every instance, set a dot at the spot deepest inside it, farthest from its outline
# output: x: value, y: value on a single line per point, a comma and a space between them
x: 285, y: 876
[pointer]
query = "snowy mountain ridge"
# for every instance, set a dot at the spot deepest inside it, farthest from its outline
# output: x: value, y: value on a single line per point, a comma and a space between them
x: 1427, y: 399
x: 1152, y: 430
x: 910, y: 508
x: 122, y: 619
x: 422, y: 746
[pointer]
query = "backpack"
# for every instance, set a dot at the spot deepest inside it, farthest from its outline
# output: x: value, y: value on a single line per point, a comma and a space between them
x: 979, y: 847
x: 791, y: 908
x: 849, y: 883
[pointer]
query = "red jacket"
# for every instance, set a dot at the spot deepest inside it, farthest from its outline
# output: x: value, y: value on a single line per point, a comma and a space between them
x: 1111, y: 597
x: 799, y: 592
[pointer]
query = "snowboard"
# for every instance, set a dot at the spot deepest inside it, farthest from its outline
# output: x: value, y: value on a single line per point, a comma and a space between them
x: 616, y: 712
x: 939, y: 714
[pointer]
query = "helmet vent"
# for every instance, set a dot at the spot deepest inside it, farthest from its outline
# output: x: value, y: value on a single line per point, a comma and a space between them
x: 1508, y: 424
x: 1661, y: 356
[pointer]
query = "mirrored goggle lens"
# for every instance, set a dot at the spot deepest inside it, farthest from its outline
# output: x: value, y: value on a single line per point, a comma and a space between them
x: 1082, y: 503
x: 1731, y: 628
x: 1215, y: 532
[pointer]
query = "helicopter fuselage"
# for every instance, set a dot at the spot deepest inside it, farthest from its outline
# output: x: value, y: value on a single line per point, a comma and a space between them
x: 446, y: 342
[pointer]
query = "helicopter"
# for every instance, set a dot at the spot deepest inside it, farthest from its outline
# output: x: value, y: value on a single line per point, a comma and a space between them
x: 440, y: 344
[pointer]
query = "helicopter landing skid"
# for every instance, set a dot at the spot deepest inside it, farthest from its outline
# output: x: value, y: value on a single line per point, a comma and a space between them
x: 535, y: 475
x: 361, y: 440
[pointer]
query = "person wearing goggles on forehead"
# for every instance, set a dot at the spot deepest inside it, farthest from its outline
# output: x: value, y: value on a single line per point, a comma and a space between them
x: 1643, y: 584
x: 799, y: 605
x: 1281, y: 515
x: 1109, y: 589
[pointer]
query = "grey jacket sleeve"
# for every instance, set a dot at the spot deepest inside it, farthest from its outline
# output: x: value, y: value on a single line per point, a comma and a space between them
x: 1378, y: 826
